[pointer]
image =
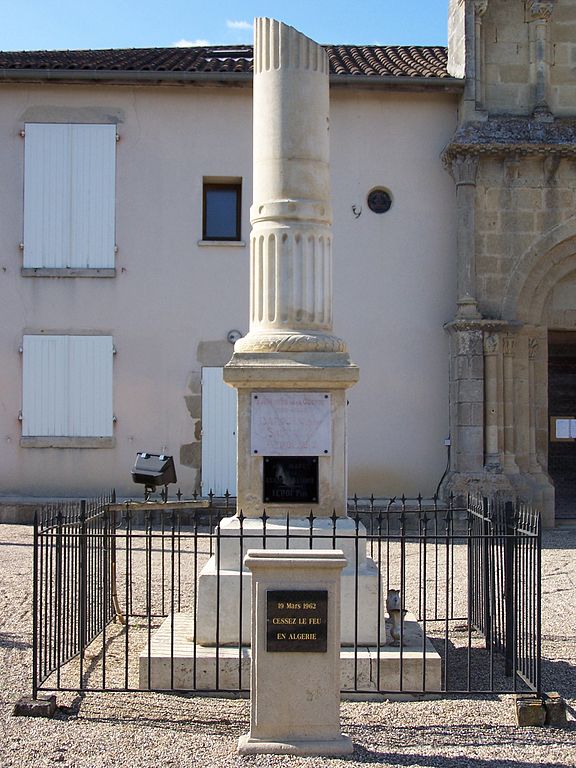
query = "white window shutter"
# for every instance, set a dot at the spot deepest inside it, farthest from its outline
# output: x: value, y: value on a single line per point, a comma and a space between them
x: 45, y: 386
x: 67, y: 386
x: 47, y: 194
x: 93, y: 200
x: 90, y: 386
x: 219, y: 407
x: 69, y: 195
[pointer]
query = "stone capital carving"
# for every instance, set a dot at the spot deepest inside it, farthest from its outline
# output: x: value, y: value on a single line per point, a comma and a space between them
x: 491, y: 344
x: 508, y: 344
x: 539, y: 9
x: 480, y: 7
x: 532, y: 348
x: 464, y: 169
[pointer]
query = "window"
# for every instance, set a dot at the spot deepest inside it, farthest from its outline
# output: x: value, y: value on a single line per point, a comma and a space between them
x: 67, y: 390
x: 69, y: 197
x: 221, y: 210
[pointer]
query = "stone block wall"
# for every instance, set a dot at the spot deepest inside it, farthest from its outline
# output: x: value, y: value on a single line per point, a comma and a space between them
x: 516, y: 35
x: 518, y: 202
x: 563, y: 55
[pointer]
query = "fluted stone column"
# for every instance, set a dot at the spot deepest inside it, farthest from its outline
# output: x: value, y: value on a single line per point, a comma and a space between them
x: 291, y: 216
x: 290, y: 346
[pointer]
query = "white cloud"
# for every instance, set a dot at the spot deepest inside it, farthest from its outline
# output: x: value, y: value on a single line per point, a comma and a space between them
x: 183, y: 43
x: 239, y: 24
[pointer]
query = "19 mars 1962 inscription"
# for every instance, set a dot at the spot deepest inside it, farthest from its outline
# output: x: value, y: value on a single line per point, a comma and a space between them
x: 296, y: 620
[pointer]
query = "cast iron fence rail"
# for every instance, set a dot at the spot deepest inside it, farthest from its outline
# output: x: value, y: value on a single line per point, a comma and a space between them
x: 110, y: 579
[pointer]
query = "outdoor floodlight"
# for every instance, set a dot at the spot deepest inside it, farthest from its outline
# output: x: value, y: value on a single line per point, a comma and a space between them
x: 152, y: 469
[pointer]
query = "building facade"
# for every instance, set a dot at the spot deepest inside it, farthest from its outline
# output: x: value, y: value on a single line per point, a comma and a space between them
x: 125, y: 187
x: 512, y: 338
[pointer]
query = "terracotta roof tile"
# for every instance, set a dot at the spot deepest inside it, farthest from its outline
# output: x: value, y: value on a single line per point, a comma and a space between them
x: 366, y: 60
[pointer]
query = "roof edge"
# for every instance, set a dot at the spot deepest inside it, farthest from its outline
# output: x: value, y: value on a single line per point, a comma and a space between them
x: 113, y: 76
x: 138, y: 77
x: 400, y: 82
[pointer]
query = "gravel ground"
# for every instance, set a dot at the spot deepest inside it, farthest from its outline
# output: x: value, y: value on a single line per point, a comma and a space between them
x: 149, y: 729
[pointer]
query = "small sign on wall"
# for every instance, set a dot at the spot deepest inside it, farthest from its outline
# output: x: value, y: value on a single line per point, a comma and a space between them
x: 291, y: 424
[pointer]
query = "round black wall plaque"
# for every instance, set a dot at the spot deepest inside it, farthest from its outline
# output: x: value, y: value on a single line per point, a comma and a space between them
x: 379, y: 200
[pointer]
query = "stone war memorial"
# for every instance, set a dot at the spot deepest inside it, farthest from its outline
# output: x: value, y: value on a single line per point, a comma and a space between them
x: 291, y: 556
x: 291, y: 589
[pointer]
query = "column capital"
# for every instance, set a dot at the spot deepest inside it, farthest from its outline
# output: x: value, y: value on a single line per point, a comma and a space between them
x: 539, y: 9
x: 480, y: 7
x: 508, y: 344
x: 464, y: 169
x: 491, y: 344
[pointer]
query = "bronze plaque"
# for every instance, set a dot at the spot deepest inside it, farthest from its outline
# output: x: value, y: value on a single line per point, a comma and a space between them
x: 297, y: 620
x: 291, y: 479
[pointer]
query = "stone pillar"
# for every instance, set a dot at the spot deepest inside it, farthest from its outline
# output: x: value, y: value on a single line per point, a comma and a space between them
x: 464, y: 169
x: 509, y: 464
x: 291, y: 239
x: 290, y: 349
x: 290, y: 371
x: 466, y: 399
x: 494, y: 401
x: 539, y: 13
x: 533, y: 463
x: 480, y: 7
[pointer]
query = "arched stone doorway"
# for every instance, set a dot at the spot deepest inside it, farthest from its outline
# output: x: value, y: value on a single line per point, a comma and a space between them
x: 541, y: 298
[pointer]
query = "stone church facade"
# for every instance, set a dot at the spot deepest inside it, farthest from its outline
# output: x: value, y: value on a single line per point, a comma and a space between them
x: 513, y: 161
x: 458, y: 300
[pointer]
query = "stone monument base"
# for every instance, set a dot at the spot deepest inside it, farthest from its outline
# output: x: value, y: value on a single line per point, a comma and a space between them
x: 248, y: 745
x: 377, y: 668
x: 222, y: 586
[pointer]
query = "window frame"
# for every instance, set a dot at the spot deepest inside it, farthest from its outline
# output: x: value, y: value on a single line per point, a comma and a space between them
x: 210, y: 185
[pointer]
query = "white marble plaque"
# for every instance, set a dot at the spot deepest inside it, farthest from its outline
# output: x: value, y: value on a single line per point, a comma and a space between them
x: 291, y: 424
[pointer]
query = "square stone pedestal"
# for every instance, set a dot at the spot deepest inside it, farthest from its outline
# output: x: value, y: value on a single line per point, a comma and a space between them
x: 295, y: 675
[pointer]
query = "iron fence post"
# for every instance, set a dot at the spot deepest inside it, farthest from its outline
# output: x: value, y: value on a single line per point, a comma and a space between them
x: 35, y: 610
x: 487, y: 618
x: 509, y: 586
x: 82, y: 592
x: 538, y: 628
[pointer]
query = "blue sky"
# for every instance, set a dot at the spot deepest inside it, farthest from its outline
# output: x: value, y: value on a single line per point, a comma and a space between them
x: 61, y: 24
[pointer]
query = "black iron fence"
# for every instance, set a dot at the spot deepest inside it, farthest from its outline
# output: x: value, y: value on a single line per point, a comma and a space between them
x: 435, y: 598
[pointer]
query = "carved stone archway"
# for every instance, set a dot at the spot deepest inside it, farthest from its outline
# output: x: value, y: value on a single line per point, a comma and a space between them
x: 550, y: 259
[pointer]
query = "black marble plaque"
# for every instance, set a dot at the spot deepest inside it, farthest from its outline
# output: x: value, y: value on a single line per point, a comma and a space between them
x: 291, y: 479
x: 297, y: 620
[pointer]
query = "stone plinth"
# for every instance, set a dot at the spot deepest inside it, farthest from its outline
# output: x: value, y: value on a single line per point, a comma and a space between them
x: 222, y: 583
x: 295, y: 683
x: 251, y: 374
x: 366, y: 668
